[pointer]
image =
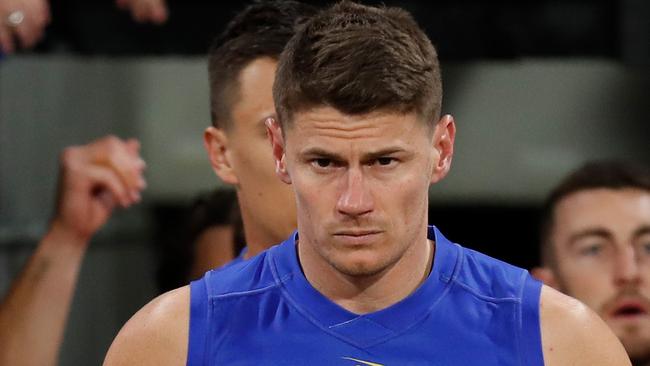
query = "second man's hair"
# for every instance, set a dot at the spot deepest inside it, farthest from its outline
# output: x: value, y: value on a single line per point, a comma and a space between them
x: 614, y: 175
x: 260, y: 30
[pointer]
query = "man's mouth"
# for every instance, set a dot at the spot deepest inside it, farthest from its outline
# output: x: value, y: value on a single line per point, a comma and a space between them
x: 628, y: 309
x: 362, y: 232
x: 356, y: 236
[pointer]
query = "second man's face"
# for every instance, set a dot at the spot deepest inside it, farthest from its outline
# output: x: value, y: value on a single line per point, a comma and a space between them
x: 266, y: 202
x: 602, y: 246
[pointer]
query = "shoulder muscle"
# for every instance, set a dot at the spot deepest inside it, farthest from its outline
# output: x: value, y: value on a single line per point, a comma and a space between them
x: 572, y: 334
x: 156, y: 335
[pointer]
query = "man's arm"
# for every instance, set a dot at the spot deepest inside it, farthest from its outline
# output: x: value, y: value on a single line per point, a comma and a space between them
x: 572, y: 334
x: 156, y: 335
x: 93, y: 179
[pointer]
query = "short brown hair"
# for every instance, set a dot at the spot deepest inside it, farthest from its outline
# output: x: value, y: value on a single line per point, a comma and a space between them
x: 607, y: 174
x: 359, y: 59
x: 262, y: 29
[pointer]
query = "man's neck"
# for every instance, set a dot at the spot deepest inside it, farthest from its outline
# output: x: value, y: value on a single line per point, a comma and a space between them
x: 366, y: 294
x: 257, y: 239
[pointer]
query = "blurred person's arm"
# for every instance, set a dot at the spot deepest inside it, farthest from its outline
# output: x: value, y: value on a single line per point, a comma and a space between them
x: 156, y: 335
x: 22, y: 20
x: 142, y: 11
x: 93, y: 180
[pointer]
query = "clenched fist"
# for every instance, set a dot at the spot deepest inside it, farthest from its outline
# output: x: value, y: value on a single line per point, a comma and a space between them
x: 93, y: 180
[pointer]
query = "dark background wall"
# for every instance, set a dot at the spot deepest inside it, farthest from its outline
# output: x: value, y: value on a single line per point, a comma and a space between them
x: 461, y: 29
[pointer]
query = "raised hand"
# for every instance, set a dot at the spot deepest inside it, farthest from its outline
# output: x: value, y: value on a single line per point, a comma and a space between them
x: 93, y: 180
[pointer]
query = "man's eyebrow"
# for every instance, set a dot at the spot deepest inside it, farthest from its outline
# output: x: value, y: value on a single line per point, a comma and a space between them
x: 643, y: 230
x: 320, y: 152
x: 383, y: 152
x: 591, y: 232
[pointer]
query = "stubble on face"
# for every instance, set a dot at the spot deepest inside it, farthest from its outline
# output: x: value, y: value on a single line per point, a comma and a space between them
x: 363, y: 209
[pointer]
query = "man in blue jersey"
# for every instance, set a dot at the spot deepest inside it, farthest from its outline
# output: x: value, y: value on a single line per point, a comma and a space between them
x: 596, y: 247
x: 364, y: 281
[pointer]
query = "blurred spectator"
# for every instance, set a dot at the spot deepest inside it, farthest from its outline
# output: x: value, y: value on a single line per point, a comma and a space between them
x: 241, y: 65
x: 596, y: 247
x: 94, y: 179
x: 22, y: 23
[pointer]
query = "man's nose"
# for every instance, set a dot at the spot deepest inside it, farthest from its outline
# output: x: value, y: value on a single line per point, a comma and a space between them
x: 627, y: 271
x: 355, y: 198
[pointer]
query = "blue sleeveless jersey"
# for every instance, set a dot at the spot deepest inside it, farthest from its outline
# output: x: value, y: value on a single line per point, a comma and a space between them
x: 471, y: 310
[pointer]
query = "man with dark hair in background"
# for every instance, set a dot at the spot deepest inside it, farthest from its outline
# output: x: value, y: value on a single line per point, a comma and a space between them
x: 360, y: 137
x: 596, y: 247
x: 241, y: 66
x: 97, y: 177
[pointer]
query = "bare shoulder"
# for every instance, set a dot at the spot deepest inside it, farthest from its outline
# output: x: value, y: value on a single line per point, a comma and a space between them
x: 156, y: 335
x: 572, y: 334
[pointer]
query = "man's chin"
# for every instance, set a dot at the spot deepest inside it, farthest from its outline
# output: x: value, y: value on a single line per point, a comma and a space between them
x: 638, y: 350
x: 359, y: 268
x: 635, y: 337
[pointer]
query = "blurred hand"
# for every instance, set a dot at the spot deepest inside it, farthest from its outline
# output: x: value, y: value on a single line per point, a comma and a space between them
x: 30, y: 29
x: 93, y: 180
x: 154, y: 11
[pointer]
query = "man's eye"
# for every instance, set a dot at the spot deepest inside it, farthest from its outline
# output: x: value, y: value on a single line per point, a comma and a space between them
x: 591, y: 250
x: 385, y: 161
x: 322, y: 163
x: 646, y: 247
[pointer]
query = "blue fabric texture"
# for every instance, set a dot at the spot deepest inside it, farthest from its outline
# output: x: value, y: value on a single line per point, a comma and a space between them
x: 471, y: 310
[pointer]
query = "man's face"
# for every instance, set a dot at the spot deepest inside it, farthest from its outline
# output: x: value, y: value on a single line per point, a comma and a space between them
x: 267, y: 205
x: 602, y: 246
x: 361, y: 185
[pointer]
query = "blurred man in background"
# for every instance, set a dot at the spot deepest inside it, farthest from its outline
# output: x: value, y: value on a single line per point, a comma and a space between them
x: 596, y: 247
x: 241, y: 66
x: 107, y: 173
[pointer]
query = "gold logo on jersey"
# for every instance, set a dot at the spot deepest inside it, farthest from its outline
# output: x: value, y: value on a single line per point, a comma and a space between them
x: 362, y: 362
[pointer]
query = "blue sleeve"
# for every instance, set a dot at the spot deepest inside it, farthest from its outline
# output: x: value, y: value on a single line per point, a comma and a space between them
x: 198, y: 327
x: 530, y: 323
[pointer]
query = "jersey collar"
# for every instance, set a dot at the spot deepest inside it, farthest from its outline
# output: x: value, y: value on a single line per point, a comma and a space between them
x: 368, y: 329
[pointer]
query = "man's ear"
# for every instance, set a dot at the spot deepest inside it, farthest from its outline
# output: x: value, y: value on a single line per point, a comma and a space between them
x: 443, y: 142
x: 216, y: 145
x: 274, y: 132
x: 546, y: 275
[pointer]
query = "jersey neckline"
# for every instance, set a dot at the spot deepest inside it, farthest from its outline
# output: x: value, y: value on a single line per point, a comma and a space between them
x: 384, y: 323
